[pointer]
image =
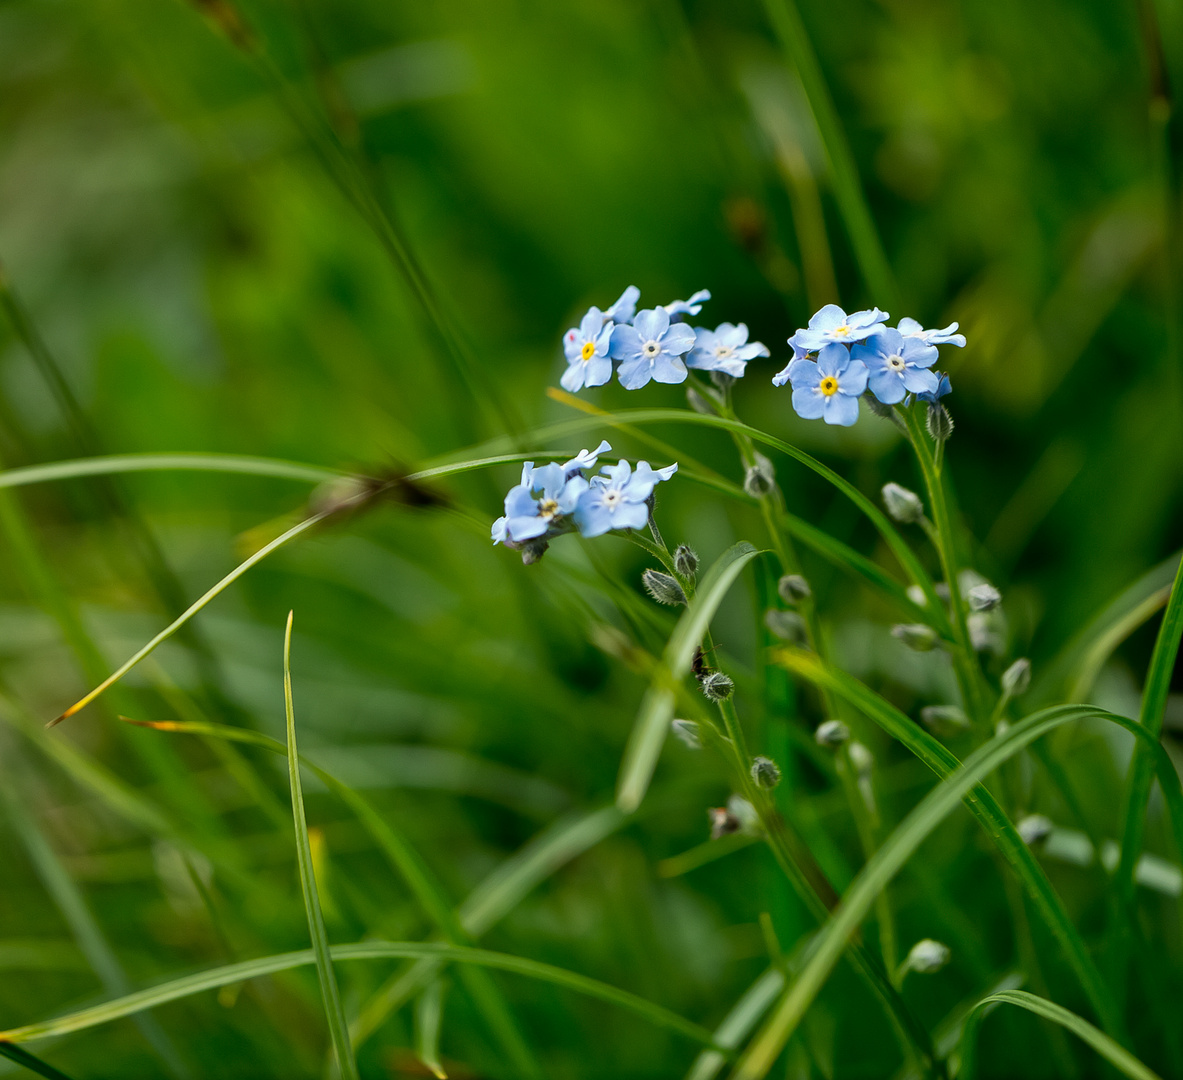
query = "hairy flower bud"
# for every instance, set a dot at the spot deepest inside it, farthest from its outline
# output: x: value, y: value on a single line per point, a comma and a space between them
x: 717, y: 686
x: 663, y: 588
x: 903, y: 505
x: 927, y: 956
x: 939, y: 422
x: 878, y: 408
x: 984, y: 597
x: 765, y: 772
x: 861, y: 758
x: 1034, y: 828
x: 686, y: 560
x: 698, y: 403
x: 687, y: 732
x: 831, y: 733
x: 944, y: 719
x: 793, y: 587
x: 916, y: 636
x: 786, y: 625
x: 1016, y: 678
x: 722, y: 380
x: 760, y: 478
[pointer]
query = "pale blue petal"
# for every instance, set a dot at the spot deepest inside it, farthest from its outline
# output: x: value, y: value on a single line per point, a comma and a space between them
x: 804, y: 374
x: 599, y: 371
x: 668, y: 369
x: 782, y: 376
x: 498, y: 531
x: 626, y: 307
x: 832, y: 359
x: 887, y: 386
x: 808, y: 403
x: 604, y: 340
x: 678, y: 339
x: 626, y: 343
x: 651, y: 323
x: 918, y: 354
x: 853, y: 380
x: 572, y: 379
x: 827, y: 318
x: 921, y: 380
x: 841, y: 410
x: 525, y: 528
x: 635, y: 373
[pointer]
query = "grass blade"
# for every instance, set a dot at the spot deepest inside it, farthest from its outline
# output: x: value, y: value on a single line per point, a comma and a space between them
x: 900, y: 846
x: 429, y: 1013
x: 657, y: 707
x: 334, y: 1012
x: 112, y: 464
x: 734, y: 1028
x: 213, y: 978
x: 983, y: 805
x: 33, y: 1064
x: 1117, y: 1056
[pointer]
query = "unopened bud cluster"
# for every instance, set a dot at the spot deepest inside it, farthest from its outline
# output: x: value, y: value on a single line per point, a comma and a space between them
x: 663, y: 588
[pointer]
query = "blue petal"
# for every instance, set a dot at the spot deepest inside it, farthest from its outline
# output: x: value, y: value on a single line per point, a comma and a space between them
x: 604, y: 341
x: 599, y: 371
x: 630, y: 516
x: 572, y: 343
x: 571, y: 493
x: 591, y: 324
x: 827, y: 318
x: 921, y: 381
x: 626, y: 307
x: 853, y: 380
x: 678, y: 339
x: 910, y: 327
x: 520, y: 503
x: 861, y: 320
x: 525, y: 528
x: 572, y: 379
x: 804, y: 374
x: 832, y: 359
x: 635, y: 373
x: 618, y: 474
x: 808, y: 403
x: 497, y: 532
x: 887, y: 386
x: 550, y: 479
x: 591, y: 516
x: 626, y: 343
x: 841, y: 410
x: 782, y: 376
x: 651, y: 324
x: 668, y: 369
x: 918, y: 354
x: 887, y: 340
x: 586, y: 459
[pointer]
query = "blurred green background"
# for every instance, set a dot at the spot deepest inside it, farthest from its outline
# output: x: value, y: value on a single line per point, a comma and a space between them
x: 203, y: 282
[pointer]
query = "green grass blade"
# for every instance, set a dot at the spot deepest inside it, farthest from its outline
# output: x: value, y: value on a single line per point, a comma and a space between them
x: 657, y: 707
x: 429, y: 1014
x: 334, y: 1011
x: 1154, y: 702
x: 28, y: 1061
x: 984, y: 807
x: 848, y: 189
x: 1113, y: 1052
x: 736, y: 1025
x: 112, y: 464
x: 900, y: 846
x: 213, y: 978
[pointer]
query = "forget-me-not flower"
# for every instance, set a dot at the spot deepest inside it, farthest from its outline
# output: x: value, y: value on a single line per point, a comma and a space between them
x: 617, y: 499
x: 726, y: 349
x: 897, y: 365
x: 651, y: 349
x: 689, y: 307
x: 948, y: 336
x: 625, y: 307
x: 828, y: 387
x: 943, y: 388
x: 529, y: 515
x: 586, y: 459
x: 832, y: 325
x: 587, y: 352
x: 782, y: 376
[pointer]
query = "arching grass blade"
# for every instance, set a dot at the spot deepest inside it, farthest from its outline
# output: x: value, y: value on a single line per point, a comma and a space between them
x: 30, y: 1062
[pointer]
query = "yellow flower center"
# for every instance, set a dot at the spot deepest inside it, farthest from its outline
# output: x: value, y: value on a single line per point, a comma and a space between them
x: 588, y: 350
x: 842, y: 331
x: 828, y: 386
x: 548, y: 508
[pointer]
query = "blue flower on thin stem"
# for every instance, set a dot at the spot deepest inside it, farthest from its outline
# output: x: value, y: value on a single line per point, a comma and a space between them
x: 651, y: 349
x: 689, y: 307
x: 619, y: 498
x: 828, y: 387
x: 943, y: 388
x: 948, y: 336
x: 529, y: 515
x: 832, y: 325
x: 726, y: 349
x: 897, y: 365
x: 586, y: 459
x: 626, y: 307
x: 586, y: 348
x: 782, y: 376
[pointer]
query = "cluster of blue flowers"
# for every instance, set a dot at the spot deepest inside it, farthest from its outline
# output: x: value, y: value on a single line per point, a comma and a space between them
x: 554, y: 499
x: 651, y: 345
x: 838, y: 356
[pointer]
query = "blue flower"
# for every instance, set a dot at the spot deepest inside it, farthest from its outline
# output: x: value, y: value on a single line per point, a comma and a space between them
x: 832, y: 325
x: 529, y: 515
x: 782, y: 376
x: 689, y: 307
x: 943, y: 388
x: 726, y: 349
x: 585, y: 459
x: 651, y: 349
x: 626, y: 307
x: 828, y: 387
x: 897, y: 365
x: 587, y: 352
x: 912, y: 329
x: 618, y: 498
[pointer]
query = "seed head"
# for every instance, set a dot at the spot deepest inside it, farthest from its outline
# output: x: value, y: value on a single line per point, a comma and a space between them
x: 831, y: 733
x: 760, y: 477
x: 927, y: 956
x: 861, y: 758
x: 944, y: 719
x: 793, y: 587
x: 786, y: 625
x: 916, y: 636
x: 765, y: 772
x: 903, y: 505
x: 984, y: 597
x: 1034, y: 828
x: 716, y: 686
x: 1016, y: 678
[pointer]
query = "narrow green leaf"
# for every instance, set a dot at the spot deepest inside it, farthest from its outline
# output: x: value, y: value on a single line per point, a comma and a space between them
x: 334, y: 1012
x: 112, y: 464
x: 657, y: 706
x: 33, y: 1064
x: 213, y: 978
x: 745, y: 1014
x: 429, y: 1014
x: 1113, y: 1052
x: 901, y: 845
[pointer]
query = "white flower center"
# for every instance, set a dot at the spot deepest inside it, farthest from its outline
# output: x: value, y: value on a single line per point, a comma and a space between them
x: 896, y: 363
x: 611, y: 499
x: 722, y: 350
x: 651, y: 349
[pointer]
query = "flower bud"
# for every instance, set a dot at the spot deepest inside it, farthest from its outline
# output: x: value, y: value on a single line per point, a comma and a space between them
x: 984, y: 597
x: 722, y: 380
x: 939, y: 422
x: 1016, y: 678
x: 877, y: 407
x: 533, y: 550
x: 786, y: 625
x: 687, y: 732
x: 793, y: 587
x: 903, y: 505
x: 916, y: 636
x: 1034, y: 828
x: 723, y: 822
x: 716, y: 686
x: 831, y: 733
x: 698, y: 403
x: 765, y: 772
x: 984, y: 633
x: 663, y: 588
x: 861, y: 758
x: 916, y: 595
x: 760, y: 478
x: 944, y: 719
x: 686, y: 560
x: 927, y: 956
